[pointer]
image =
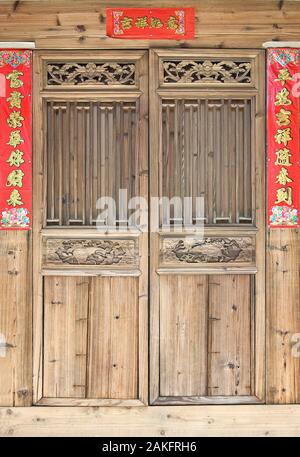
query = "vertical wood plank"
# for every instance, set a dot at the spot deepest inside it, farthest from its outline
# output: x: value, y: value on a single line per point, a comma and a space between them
x: 183, y: 340
x: 113, y: 338
x: 15, y: 319
x: 283, y: 316
x: 65, y: 336
x: 229, y: 352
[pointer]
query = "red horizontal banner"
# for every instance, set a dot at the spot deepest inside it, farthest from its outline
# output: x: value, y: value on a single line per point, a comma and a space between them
x: 15, y: 139
x: 283, y: 138
x: 150, y: 23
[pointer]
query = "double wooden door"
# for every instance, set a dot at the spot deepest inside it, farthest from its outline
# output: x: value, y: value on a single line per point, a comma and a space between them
x: 131, y: 316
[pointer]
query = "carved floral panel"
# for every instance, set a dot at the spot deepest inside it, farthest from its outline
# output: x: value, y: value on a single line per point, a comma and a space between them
x: 207, y: 250
x: 89, y: 252
x: 206, y: 71
x: 90, y: 73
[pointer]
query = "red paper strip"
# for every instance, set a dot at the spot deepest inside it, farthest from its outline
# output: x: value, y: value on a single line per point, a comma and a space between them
x: 15, y: 139
x: 283, y: 138
x: 150, y: 23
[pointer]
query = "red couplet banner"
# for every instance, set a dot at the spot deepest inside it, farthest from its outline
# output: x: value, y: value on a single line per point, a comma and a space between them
x: 150, y: 23
x: 283, y: 137
x: 15, y: 139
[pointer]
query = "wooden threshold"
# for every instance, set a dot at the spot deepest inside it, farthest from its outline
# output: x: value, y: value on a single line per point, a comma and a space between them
x: 88, y: 402
x: 163, y: 421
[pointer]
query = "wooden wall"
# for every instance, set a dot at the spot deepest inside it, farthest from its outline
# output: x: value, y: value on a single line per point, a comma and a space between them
x: 80, y: 24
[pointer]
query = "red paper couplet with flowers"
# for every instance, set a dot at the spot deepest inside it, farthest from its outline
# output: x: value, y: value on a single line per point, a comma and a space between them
x: 283, y: 138
x: 150, y: 23
x: 15, y: 139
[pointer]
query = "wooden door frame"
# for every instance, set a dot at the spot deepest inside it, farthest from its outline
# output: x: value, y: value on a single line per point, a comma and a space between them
x: 40, y: 93
x: 157, y: 90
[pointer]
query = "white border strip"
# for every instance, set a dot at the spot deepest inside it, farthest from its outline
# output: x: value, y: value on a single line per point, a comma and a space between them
x: 17, y: 45
x: 281, y: 44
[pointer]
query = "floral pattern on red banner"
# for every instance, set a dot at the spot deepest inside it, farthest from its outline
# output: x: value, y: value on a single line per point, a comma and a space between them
x: 15, y: 139
x: 283, y: 138
x: 150, y: 23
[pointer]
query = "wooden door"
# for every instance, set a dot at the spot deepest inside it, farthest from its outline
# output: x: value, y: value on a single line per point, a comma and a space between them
x: 207, y: 296
x: 90, y: 287
x: 207, y: 302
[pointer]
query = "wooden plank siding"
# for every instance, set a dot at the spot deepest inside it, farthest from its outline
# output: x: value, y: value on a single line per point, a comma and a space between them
x: 283, y: 305
x: 159, y: 421
x: 79, y: 25
x: 15, y: 319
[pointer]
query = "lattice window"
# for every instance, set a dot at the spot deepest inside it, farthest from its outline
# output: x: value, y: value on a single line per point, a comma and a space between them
x: 207, y: 152
x: 90, y: 153
x: 206, y: 71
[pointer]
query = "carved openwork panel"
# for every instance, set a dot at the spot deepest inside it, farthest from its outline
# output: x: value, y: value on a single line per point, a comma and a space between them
x: 90, y: 73
x: 201, y: 71
x: 91, y: 252
x: 216, y: 249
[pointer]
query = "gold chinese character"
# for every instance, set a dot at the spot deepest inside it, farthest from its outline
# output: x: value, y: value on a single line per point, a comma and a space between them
x: 126, y: 23
x: 283, y: 157
x: 283, y: 177
x: 172, y: 23
x: 284, y: 195
x: 16, y: 158
x: 15, y: 198
x: 283, y: 117
x: 15, y: 138
x: 156, y: 23
x: 282, y: 98
x: 15, y: 99
x: 283, y: 136
x: 15, y: 119
x: 141, y: 22
x: 283, y: 76
x: 15, y: 178
x: 15, y: 82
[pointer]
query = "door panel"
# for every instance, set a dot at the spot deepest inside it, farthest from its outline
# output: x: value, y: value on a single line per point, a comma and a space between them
x: 113, y: 338
x: 91, y: 284
x: 183, y: 335
x: 65, y: 336
x: 229, y: 335
x: 207, y: 287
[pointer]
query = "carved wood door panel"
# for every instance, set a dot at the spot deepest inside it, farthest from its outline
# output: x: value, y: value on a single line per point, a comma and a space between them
x: 90, y: 286
x: 207, y: 287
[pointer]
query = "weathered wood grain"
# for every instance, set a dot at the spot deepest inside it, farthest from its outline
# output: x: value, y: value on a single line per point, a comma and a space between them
x: 283, y: 316
x: 65, y: 336
x: 113, y: 339
x: 183, y: 335
x: 229, y: 335
x: 79, y: 25
x: 158, y: 421
x: 15, y: 319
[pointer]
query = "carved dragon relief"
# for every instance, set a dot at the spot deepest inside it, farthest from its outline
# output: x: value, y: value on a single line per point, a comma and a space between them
x: 91, y: 252
x: 81, y: 73
x: 206, y: 71
x: 207, y: 250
